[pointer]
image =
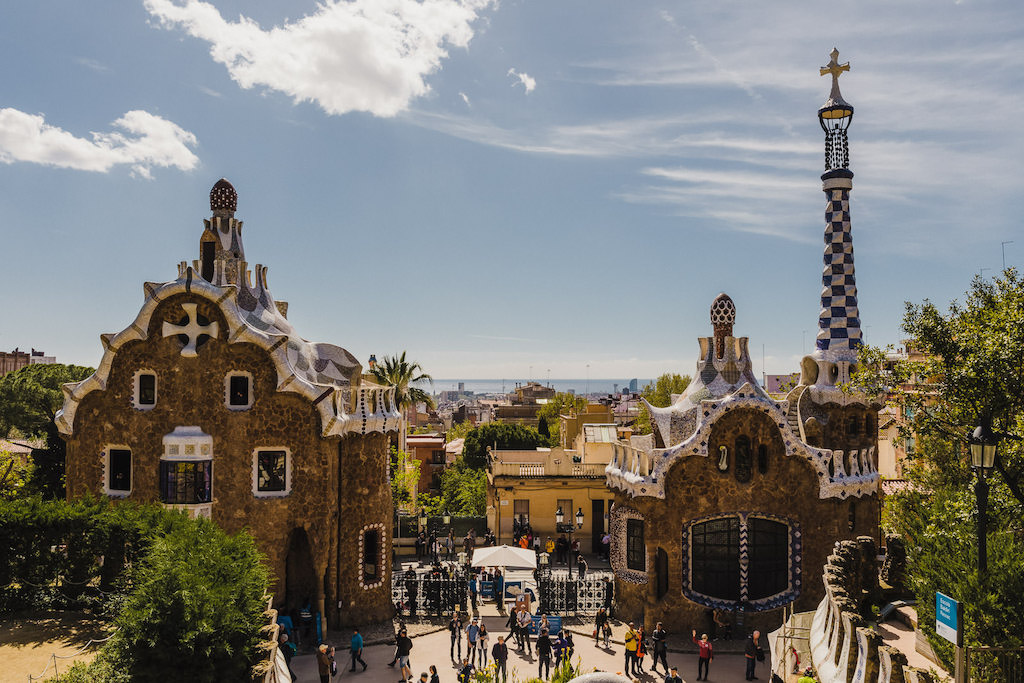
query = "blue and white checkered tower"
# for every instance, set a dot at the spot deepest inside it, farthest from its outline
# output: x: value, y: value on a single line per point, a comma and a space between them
x: 839, y: 334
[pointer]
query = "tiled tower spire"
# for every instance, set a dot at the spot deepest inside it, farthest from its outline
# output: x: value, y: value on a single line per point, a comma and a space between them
x: 839, y: 334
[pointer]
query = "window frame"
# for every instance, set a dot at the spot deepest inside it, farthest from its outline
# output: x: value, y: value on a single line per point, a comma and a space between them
x: 227, y: 390
x: 287, y: 472
x: 744, y: 565
x: 636, y: 551
x: 107, y: 471
x: 137, y: 389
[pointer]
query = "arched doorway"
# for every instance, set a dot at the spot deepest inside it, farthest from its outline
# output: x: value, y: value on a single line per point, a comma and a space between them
x: 300, y: 582
x: 661, y: 573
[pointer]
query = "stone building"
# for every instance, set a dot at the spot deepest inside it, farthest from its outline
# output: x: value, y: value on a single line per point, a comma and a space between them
x: 738, y: 499
x: 211, y: 402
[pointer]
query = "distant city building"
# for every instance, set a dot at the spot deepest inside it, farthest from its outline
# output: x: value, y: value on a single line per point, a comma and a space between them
x: 781, y: 384
x: 16, y: 360
x: 633, y: 386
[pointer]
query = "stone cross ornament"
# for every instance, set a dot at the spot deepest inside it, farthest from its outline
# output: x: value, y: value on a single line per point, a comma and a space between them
x: 192, y: 330
x: 834, y: 67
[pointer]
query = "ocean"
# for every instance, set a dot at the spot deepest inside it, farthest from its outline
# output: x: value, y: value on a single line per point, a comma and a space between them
x: 504, y: 386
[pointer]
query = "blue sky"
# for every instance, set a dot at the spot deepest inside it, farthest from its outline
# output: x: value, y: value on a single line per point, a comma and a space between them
x: 504, y: 188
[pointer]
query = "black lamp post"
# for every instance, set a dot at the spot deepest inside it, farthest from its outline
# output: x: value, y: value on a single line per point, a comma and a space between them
x: 423, y: 519
x: 560, y: 526
x: 984, y: 444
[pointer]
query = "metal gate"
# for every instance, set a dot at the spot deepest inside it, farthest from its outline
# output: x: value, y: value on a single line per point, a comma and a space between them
x: 428, y: 593
x: 995, y: 664
x: 560, y: 594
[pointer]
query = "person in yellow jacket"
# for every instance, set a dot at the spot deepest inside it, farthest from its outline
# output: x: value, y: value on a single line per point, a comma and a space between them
x: 549, y: 546
x: 632, y: 643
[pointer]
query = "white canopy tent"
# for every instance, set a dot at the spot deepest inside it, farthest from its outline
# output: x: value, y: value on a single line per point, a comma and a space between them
x: 505, y: 556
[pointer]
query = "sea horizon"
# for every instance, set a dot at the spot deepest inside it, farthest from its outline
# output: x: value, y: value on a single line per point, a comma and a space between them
x: 505, y: 386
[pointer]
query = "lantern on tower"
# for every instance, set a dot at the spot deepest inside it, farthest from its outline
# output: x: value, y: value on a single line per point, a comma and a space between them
x: 835, y: 117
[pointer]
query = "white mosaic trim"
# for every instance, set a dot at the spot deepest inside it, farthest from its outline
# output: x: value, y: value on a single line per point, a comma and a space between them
x: 362, y: 555
x: 619, y: 515
x: 375, y: 409
x: 839, y: 483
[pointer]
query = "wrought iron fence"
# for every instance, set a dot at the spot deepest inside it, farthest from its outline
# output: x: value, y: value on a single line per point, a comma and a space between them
x: 572, y: 596
x: 995, y: 664
x: 429, y: 593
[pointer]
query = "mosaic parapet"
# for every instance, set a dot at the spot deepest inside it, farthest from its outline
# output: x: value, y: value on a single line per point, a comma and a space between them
x: 329, y: 377
x: 840, y: 475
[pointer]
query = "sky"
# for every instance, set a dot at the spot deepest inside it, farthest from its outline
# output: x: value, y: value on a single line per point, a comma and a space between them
x: 505, y: 188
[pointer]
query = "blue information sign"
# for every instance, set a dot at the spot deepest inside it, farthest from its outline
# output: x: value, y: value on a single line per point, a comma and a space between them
x: 947, y: 618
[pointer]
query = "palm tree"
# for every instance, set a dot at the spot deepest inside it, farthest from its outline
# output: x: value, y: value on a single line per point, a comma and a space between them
x: 395, y: 371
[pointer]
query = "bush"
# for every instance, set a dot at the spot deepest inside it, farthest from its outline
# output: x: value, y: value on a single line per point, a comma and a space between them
x: 196, y: 609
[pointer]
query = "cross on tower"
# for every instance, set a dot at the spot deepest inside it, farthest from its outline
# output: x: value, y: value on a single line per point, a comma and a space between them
x: 835, y: 68
x: 192, y: 329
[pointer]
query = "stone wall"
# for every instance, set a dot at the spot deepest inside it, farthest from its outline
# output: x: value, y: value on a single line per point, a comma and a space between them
x: 337, y: 485
x: 696, y: 489
x: 843, y: 648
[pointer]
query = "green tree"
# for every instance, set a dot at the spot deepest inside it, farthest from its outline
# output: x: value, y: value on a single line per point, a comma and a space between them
x: 405, y: 473
x: 460, y: 430
x: 500, y: 435
x: 396, y: 371
x: 196, y: 609
x: 29, y: 400
x: 15, y: 474
x: 562, y: 403
x: 464, y: 489
x: 970, y: 370
x: 659, y: 394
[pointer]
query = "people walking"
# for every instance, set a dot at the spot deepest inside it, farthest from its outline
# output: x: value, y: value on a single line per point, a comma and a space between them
x: 599, y: 621
x: 356, y: 650
x: 753, y: 653
x: 581, y: 566
x: 324, y: 658
x: 500, y: 655
x: 660, y: 647
x: 631, y: 647
x: 641, y: 650
x: 472, y: 633
x: 524, y: 629
x: 466, y: 671
x: 455, y: 629
x: 673, y: 676
x: 543, y: 655
x: 404, y: 648
x: 481, y: 639
x: 704, y: 654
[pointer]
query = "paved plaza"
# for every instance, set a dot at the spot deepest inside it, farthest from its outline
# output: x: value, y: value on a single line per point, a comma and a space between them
x: 432, y: 647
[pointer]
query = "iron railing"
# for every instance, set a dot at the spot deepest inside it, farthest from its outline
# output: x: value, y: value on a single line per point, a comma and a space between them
x: 995, y: 664
x: 572, y: 596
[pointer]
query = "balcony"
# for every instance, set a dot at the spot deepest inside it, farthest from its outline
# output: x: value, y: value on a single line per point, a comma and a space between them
x: 533, y: 464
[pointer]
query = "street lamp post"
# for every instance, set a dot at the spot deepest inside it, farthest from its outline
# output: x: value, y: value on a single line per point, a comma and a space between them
x: 560, y: 526
x: 984, y: 444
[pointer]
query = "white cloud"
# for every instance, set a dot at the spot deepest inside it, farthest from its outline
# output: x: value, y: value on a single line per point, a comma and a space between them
x: 357, y: 55
x: 98, y: 67
x: 146, y: 141
x: 465, y: 98
x: 528, y: 81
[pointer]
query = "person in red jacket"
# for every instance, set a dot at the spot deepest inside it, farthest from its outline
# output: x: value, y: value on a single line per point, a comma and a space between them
x: 704, y: 656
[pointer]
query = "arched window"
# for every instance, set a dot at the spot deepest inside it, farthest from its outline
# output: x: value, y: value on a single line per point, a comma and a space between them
x: 661, y: 571
x: 371, y: 556
x: 744, y: 464
x: 741, y: 559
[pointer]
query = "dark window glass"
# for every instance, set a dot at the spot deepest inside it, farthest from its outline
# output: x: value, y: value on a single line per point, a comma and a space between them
x: 768, y: 544
x: 715, y: 558
x: 636, y: 553
x: 852, y: 516
x: 521, y: 510
x: 437, y: 457
x: 119, y: 471
x: 661, y: 569
x: 271, y: 468
x: 186, y: 482
x: 147, y: 389
x: 744, y: 464
x: 762, y: 459
x: 435, y: 481
x: 238, y: 390
x: 371, y: 556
